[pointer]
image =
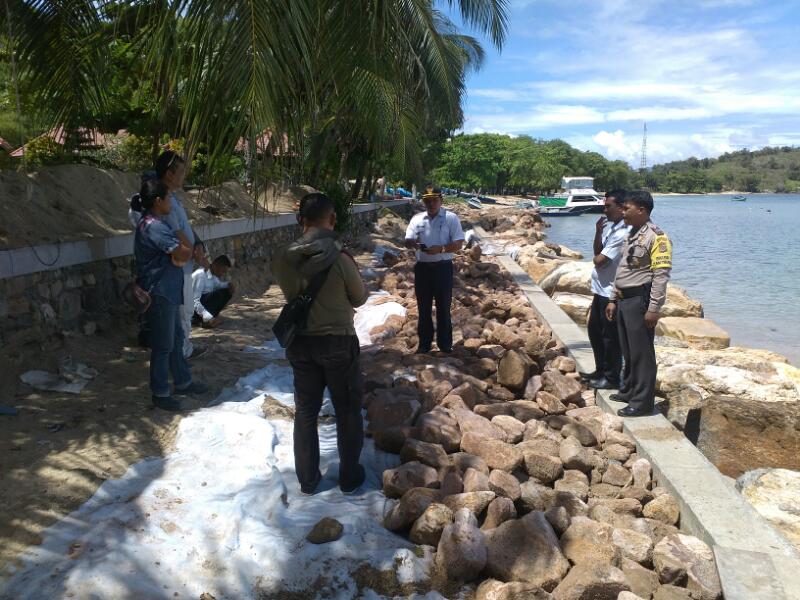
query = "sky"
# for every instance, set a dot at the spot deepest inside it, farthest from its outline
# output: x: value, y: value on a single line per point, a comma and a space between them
x: 708, y: 76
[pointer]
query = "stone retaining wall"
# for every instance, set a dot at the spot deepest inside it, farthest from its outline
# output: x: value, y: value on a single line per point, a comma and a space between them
x: 86, y: 296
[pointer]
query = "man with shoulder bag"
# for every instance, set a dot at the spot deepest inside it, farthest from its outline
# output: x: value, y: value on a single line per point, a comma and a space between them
x: 322, y: 287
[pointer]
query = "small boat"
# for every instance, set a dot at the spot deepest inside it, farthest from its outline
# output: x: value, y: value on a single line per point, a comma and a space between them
x: 474, y: 203
x: 579, y: 193
x: 523, y: 204
x: 554, y: 211
x: 738, y: 198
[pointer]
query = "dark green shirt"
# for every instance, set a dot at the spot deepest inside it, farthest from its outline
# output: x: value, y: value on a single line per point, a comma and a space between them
x: 333, y: 310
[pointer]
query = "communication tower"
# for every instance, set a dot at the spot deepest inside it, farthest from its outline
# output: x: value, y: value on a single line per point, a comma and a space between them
x: 643, y: 163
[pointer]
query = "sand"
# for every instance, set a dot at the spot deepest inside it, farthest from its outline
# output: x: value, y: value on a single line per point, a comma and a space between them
x: 61, y: 447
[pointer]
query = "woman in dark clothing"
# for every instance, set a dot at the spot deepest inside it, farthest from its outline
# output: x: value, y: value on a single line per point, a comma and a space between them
x: 160, y: 254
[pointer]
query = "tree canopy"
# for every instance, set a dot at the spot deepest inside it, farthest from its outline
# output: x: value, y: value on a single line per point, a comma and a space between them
x: 341, y: 88
x: 500, y: 163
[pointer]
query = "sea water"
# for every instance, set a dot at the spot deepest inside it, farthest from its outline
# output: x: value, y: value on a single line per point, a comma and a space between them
x: 740, y: 259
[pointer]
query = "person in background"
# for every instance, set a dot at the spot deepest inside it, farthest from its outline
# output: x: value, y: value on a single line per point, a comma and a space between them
x: 160, y: 255
x: 170, y: 169
x: 210, y: 292
x: 610, y: 234
x: 640, y: 290
x: 326, y: 353
x: 435, y: 234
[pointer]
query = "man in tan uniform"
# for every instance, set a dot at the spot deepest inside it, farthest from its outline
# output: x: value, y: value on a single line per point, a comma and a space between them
x: 640, y: 290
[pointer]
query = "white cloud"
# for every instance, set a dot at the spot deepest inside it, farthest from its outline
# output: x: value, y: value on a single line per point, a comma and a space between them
x: 661, y: 147
x: 619, y: 62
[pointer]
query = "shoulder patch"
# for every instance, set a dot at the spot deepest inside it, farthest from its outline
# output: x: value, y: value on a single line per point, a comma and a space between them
x: 661, y: 252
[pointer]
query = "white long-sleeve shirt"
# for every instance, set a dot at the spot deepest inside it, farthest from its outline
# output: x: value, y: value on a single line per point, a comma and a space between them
x: 205, y: 282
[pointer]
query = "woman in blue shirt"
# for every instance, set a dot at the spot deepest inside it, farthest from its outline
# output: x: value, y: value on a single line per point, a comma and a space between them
x: 160, y: 253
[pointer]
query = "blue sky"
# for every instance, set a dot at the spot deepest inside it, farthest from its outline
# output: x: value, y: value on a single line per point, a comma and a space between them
x: 708, y: 76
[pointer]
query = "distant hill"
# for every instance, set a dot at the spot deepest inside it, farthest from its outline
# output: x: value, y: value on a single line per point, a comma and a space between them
x: 767, y: 170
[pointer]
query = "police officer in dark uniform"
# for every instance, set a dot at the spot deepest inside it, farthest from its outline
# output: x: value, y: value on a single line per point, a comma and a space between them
x: 640, y: 290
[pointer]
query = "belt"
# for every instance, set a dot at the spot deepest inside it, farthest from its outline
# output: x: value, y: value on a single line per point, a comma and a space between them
x: 637, y: 290
x: 435, y: 262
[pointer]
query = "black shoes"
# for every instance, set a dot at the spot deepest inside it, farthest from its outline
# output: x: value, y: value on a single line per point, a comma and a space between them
x: 195, y: 388
x: 590, y: 376
x: 619, y: 397
x: 167, y: 403
x: 602, y: 384
x: 308, y: 490
x: 352, y: 487
x: 630, y: 411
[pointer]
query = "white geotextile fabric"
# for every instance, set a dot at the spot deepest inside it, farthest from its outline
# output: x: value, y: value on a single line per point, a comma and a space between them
x: 371, y: 315
x: 222, y: 513
x: 499, y: 247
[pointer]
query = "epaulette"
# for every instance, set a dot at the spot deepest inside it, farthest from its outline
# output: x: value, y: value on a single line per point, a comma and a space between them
x: 656, y: 229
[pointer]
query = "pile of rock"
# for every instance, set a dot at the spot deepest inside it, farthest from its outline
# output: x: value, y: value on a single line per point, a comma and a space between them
x: 724, y: 398
x: 508, y: 469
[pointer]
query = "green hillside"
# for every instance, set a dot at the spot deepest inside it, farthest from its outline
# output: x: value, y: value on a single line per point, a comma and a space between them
x: 766, y: 170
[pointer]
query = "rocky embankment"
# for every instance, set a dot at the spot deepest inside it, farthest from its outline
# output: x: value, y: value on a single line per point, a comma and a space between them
x: 740, y: 406
x: 522, y: 486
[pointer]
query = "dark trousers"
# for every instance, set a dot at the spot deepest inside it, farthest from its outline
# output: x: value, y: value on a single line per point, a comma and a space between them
x: 318, y: 362
x: 434, y: 282
x: 638, y: 351
x: 213, y: 302
x: 604, y: 337
x: 166, y: 347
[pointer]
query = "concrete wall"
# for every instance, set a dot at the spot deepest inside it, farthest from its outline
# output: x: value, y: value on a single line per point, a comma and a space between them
x: 77, y: 285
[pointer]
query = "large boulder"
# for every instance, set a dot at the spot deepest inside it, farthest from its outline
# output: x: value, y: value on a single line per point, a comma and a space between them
x: 398, y: 481
x: 410, y: 508
x: 588, y: 542
x: 526, y: 550
x: 491, y: 589
x: 664, y: 508
x: 737, y: 434
x: 574, y: 277
x: 775, y: 494
x: 698, y: 333
x: 577, y: 306
x: 679, y: 304
x: 461, y: 554
x: 439, y: 426
x: 497, y: 454
x: 427, y: 529
x: 742, y: 406
x: 475, y: 502
x: 514, y: 370
x: 428, y: 454
x: 562, y: 387
x: 500, y: 510
x: 687, y: 561
x: 592, y: 582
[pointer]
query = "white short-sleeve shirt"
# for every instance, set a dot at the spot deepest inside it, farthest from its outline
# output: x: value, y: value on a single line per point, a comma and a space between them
x: 612, y: 238
x: 440, y: 230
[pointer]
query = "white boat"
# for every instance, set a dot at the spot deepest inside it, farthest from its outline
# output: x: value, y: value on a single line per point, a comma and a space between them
x: 578, y: 195
x: 474, y: 203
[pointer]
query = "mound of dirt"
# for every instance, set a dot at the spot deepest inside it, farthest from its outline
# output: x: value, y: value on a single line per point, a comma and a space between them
x: 73, y: 202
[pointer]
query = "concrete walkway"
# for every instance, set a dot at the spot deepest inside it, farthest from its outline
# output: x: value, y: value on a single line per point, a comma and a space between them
x: 754, y: 560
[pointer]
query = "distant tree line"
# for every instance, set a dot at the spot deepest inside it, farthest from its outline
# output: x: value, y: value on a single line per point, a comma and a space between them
x: 494, y: 163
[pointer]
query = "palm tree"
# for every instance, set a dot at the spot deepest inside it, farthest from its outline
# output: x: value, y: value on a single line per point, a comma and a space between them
x: 350, y: 82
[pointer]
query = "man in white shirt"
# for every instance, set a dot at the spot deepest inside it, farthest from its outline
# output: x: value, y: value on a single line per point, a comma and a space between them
x: 211, y: 294
x: 435, y: 234
x: 610, y: 234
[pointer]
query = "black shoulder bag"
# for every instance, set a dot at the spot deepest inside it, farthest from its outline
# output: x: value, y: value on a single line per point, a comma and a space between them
x: 294, y: 315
